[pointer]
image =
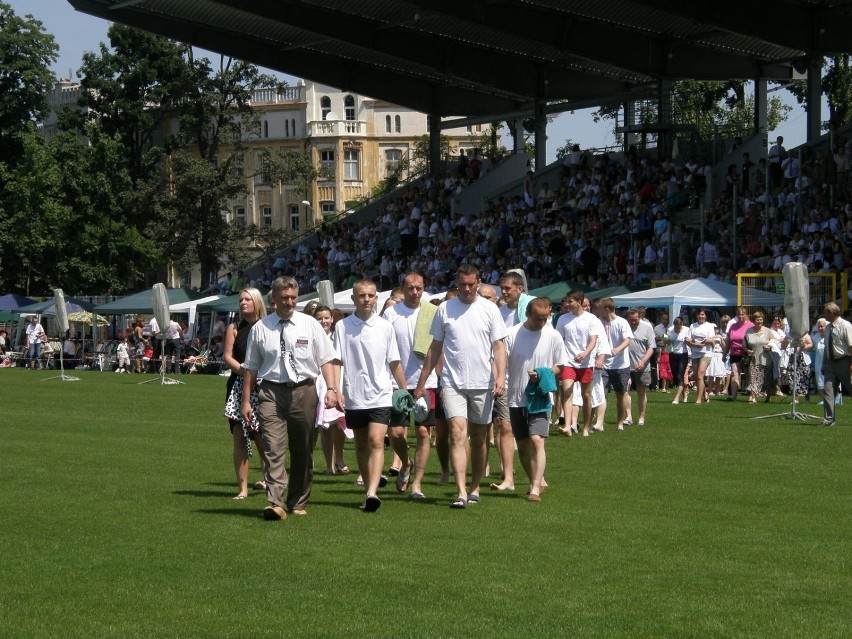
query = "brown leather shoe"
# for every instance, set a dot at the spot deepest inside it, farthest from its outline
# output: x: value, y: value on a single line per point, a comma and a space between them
x: 274, y: 513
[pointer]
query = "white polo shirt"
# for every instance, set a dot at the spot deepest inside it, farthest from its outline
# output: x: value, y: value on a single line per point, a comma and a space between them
x: 366, y: 350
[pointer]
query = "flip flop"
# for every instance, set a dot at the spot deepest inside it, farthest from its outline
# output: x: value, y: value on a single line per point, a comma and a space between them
x: 498, y: 487
x: 459, y: 503
x: 418, y: 496
x: 533, y: 497
x: 383, y: 481
x: 342, y: 470
x: 402, y: 482
x: 238, y: 497
x: 371, y: 504
x: 259, y: 485
x: 473, y: 499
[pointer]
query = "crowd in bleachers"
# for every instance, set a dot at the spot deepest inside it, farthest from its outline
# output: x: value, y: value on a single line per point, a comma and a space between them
x: 604, y: 223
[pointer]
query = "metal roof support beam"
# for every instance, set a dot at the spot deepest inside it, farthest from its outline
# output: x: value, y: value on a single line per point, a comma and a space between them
x: 761, y: 109
x: 435, y: 145
x: 540, y: 135
x: 814, y: 99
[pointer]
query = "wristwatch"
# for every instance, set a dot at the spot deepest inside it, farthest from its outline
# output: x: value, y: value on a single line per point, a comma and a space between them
x: 333, y: 390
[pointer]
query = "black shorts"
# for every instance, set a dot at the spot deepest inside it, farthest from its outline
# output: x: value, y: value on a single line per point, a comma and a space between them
x: 439, y: 406
x: 361, y: 418
x: 617, y: 379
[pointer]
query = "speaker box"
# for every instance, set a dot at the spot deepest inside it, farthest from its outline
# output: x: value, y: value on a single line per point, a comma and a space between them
x: 796, y: 298
x: 160, y: 304
x: 61, y: 311
x: 325, y: 288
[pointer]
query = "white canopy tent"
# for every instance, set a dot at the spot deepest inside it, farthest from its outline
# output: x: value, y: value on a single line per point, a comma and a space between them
x: 697, y: 292
x: 190, y: 308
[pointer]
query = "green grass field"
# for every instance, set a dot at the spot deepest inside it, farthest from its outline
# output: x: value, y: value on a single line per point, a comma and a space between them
x: 117, y: 522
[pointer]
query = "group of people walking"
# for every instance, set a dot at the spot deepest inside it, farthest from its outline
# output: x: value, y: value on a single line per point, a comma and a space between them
x: 464, y: 364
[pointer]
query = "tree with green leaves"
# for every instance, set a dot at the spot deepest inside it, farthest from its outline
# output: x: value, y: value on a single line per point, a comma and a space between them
x: 28, y: 180
x: 31, y: 217
x: 706, y: 107
x: 130, y: 85
x: 295, y: 168
x: 102, y: 249
x: 26, y: 53
x: 836, y: 85
x: 201, y: 170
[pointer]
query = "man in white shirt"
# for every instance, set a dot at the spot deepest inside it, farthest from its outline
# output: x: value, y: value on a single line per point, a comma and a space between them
x: 404, y: 319
x: 287, y: 351
x: 35, y: 341
x: 469, y: 332
x: 580, y: 331
x: 531, y: 346
x: 513, y: 312
x: 640, y: 349
x: 617, y: 365
x: 365, y: 346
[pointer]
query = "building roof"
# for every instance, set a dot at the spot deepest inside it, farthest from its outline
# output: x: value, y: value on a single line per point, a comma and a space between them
x: 479, y: 58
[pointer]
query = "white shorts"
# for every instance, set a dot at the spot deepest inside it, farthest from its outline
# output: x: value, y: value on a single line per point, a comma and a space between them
x: 598, y: 393
x: 474, y: 405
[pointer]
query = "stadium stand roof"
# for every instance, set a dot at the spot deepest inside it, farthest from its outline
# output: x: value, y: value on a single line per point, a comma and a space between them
x: 485, y: 57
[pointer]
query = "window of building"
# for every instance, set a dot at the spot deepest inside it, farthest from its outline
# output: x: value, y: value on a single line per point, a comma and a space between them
x: 398, y: 124
x: 266, y: 128
x: 325, y: 106
x: 349, y: 107
x: 286, y: 128
x: 387, y: 124
x: 392, y: 160
x: 293, y: 126
x: 267, y: 215
x: 327, y: 208
x: 327, y: 162
x: 262, y: 174
x: 351, y: 170
x: 294, y: 217
x: 240, y: 215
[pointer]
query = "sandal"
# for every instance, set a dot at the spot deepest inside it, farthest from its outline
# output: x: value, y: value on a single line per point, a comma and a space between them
x: 259, y: 485
x: 342, y: 470
x: 459, y: 502
x: 238, y: 497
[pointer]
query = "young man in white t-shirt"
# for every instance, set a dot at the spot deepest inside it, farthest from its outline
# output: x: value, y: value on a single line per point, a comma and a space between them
x: 617, y: 365
x: 530, y: 346
x: 580, y: 332
x: 469, y: 332
x: 366, y: 349
x: 404, y: 318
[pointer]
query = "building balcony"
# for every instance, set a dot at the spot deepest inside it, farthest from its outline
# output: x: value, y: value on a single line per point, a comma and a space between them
x: 286, y: 95
x: 337, y: 128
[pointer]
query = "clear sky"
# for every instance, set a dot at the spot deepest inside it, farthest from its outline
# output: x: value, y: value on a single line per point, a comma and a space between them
x: 78, y: 32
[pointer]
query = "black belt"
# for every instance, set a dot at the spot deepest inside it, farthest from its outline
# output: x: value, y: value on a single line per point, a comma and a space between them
x: 305, y: 382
